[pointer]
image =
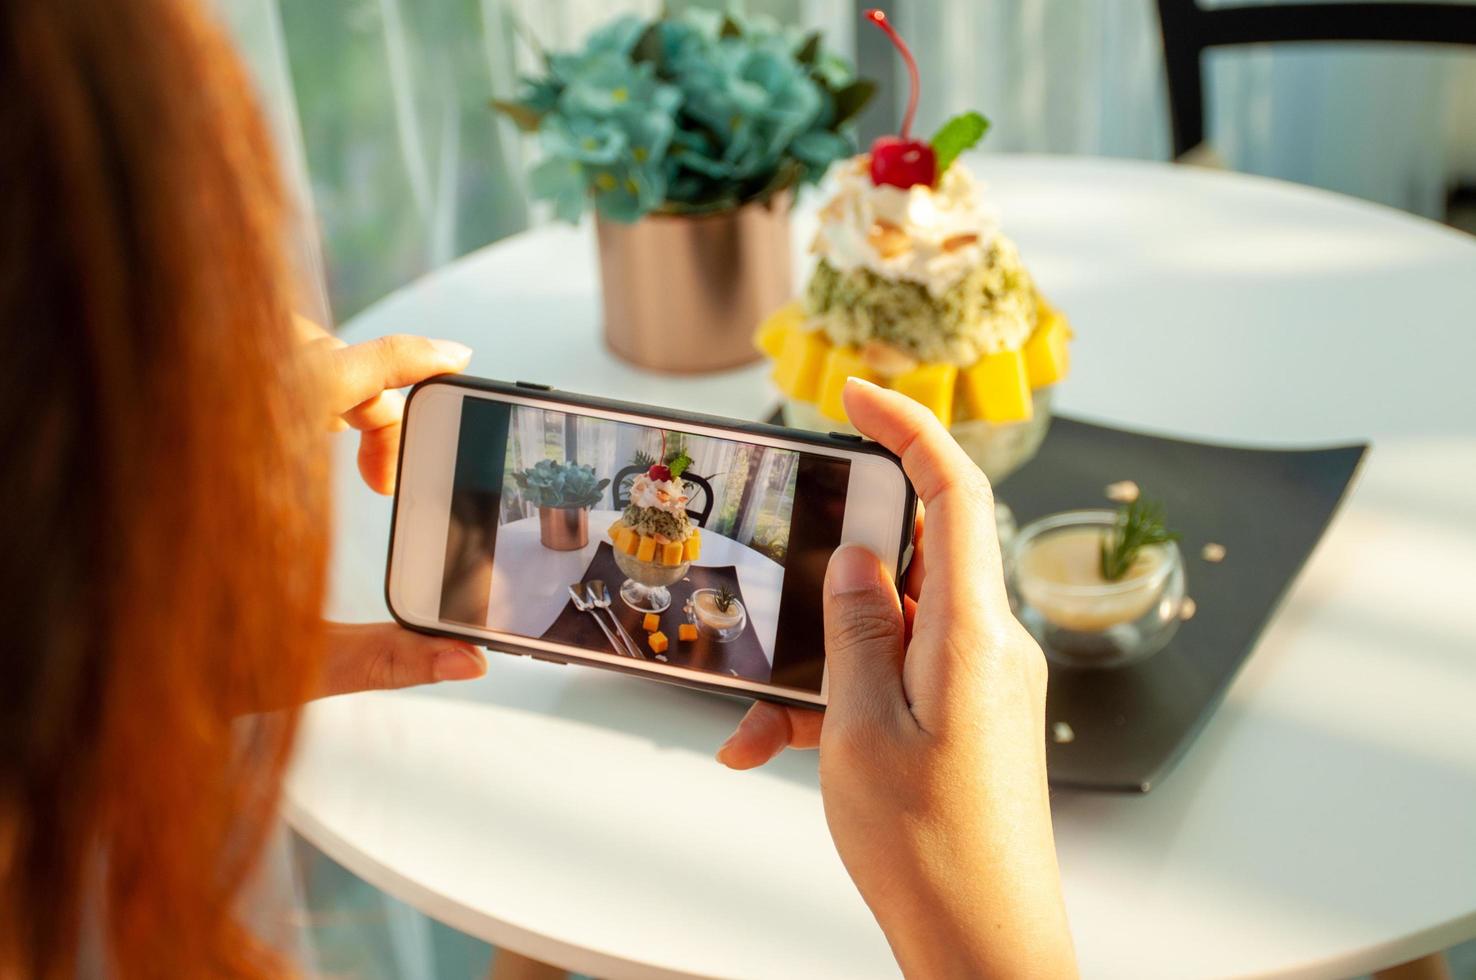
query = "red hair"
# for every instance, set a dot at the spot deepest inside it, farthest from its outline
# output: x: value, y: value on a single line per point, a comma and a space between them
x: 163, y: 486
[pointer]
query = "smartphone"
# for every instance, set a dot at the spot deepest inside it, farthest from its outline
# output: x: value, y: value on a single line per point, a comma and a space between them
x: 684, y: 548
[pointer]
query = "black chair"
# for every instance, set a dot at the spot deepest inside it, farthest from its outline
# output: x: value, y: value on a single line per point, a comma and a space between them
x: 620, y: 492
x: 1189, y: 30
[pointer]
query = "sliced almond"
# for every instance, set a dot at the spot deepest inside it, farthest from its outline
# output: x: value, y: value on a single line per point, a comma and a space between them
x: 886, y: 360
x: 1123, y: 491
x: 1188, y: 608
x: 956, y: 242
x: 1062, y: 733
x: 1212, y: 552
x: 888, y: 239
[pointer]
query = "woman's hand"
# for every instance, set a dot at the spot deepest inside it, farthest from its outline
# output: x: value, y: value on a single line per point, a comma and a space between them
x: 383, y: 657
x: 357, y: 382
x: 932, y: 749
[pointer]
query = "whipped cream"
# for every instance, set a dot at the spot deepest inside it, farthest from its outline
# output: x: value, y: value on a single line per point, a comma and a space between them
x: 932, y: 236
x: 667, y: 495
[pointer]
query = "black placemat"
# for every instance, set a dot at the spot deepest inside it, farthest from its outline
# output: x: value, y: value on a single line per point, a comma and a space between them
x: 742, y: 656
x: 1268, y: 508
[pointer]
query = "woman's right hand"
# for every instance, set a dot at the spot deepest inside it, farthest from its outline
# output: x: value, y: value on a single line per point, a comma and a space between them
x: 932, y: 748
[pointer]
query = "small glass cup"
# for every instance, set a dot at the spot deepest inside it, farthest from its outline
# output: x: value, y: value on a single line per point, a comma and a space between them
x: 645, y: 585
x: 703, y: 613
x: 1098, y: 624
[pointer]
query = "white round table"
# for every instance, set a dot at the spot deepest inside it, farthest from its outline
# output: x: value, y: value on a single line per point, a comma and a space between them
x: 530, y: 582
x: 1322, y: 825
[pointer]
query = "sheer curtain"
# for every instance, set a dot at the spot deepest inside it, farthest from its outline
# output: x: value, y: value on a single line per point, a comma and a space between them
x: 1394, y: 125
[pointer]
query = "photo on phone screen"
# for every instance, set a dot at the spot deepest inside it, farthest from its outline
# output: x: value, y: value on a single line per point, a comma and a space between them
x: 720, y: 544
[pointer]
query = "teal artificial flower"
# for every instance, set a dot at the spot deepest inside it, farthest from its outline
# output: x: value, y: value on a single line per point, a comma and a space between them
x: 698, y: 112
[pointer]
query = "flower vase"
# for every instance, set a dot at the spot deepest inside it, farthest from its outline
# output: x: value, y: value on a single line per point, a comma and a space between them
x: 682, y: 292
x: 563, y: 528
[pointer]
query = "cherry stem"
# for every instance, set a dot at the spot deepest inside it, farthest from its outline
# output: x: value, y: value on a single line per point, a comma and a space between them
x: 879, y: 18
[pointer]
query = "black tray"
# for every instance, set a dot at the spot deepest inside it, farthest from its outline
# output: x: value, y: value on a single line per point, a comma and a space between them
x: 1269, y: 508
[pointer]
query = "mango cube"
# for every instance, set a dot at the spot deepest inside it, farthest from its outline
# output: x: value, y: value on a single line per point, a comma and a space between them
x: 611, y: 531
x: 1046, y: 357
x: 930, y: 385
x: 797, y: 371
x: 687, y: 632
x: 998, y: 389
x: 671, y: 553
x: 646, y: 550
x: 694, y: 547
x: 777, y: 326
x: 651, y: 623
x: 841, y: 363
x: 657, y: 641
x: 627, y: 540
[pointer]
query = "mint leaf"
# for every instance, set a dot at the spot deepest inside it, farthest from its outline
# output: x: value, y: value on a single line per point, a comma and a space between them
x: 956, y: 135
x: 679, y: 465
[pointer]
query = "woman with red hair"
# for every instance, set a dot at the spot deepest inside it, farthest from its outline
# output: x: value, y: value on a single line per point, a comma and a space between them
x: 163, y: 512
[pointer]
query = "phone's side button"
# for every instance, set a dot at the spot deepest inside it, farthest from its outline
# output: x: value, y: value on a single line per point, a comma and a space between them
x: 534, y: 385
x: 847, y: 436
x: 549, y: 660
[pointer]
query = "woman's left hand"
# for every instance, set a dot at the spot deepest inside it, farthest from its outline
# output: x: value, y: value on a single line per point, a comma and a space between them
x: 357, y: 382
x: 384, y: 657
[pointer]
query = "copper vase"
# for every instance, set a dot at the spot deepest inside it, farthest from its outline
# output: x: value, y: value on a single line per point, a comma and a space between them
x: 683, y: 294
x: 563, y: 528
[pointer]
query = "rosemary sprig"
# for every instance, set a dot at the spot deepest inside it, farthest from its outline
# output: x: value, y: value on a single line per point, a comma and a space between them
x: 1139, y: 525
x: 724, y: 599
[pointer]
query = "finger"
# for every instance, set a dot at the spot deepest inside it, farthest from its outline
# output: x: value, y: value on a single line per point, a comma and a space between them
x: 765, y: 731
x: 382, y: 656
x: 955, y: 492
x: 359, y: 372
x: 385, y: 408
x: 864, y: 634
x: 379, y: 457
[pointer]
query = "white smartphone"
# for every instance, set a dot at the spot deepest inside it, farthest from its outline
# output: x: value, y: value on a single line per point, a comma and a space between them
x: 684, y: 548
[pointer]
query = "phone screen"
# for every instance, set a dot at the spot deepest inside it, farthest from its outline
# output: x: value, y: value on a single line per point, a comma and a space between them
x: 712, y: 551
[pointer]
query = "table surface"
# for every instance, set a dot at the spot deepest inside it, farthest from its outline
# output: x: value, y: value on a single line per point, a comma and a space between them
x: 1323, y: 824
x: 530, y: 583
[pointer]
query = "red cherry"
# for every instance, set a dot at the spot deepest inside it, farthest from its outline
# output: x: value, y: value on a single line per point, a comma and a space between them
x: 903, y: 163
x: 659, y: 473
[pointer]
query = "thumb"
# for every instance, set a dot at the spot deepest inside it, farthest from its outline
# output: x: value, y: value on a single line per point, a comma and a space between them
x: 864, y: 634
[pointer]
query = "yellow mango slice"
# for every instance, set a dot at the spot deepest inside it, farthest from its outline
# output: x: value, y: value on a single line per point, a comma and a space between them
x: 841, y: 363
x: 626, y: 540
x: 647, y: 550
x: 671, y: 553
x: 777, y: 326
x: 651, y: 623
x: 1046, y: 356
x: 930, y: 385
x: 998, y: 389
x: 694, y: 547
x: 687, y: 632
x: 797, y: 371
x: 658, y: 642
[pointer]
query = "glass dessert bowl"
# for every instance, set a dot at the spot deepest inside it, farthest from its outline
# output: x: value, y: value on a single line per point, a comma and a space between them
x: 1058, y: 591
x: 916, y: 289
x: 654, y: 541
x: 717, y: 613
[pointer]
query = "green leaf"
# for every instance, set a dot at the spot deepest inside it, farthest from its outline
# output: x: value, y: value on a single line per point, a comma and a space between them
x: 850, y: 100
x: 679, y: 465
x: 956, y: 135
x: 525, y: 118
x: 809, y: 52
x: 731, y: 28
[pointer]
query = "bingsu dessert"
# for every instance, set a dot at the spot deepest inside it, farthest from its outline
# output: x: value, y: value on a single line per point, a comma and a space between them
x: 916, y: 288
x: 654, y: 540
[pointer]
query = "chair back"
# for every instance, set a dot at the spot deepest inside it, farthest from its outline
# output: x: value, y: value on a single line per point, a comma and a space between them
x: 620, y: 493
x: 1189, y: 30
